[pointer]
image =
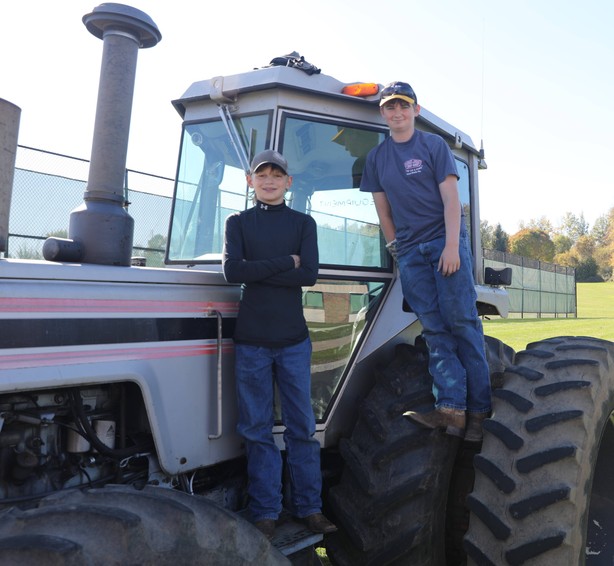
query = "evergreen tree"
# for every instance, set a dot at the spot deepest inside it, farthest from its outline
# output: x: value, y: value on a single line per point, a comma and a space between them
x: 500, y: 239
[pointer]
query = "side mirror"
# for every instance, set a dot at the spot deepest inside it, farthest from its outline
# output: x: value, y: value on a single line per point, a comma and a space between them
x: 498, y: 277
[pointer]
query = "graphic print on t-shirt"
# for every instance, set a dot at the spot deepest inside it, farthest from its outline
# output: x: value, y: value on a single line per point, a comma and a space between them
x: 413, y: 166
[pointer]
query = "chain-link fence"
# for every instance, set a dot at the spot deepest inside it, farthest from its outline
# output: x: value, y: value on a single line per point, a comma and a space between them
x: 48, y: 186
x: 538, y: 288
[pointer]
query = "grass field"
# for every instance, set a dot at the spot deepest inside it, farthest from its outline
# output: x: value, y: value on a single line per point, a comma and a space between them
x: 595, y: 318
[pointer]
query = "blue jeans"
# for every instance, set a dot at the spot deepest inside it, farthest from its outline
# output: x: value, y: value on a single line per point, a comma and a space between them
x: 256, y: 370
x: 452, y: 328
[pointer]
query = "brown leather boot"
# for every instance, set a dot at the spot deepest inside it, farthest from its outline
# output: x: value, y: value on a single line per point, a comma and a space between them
x: 318, y: 523
x: 266, y: 527
x: 473, y: 432
x: 452, y: 420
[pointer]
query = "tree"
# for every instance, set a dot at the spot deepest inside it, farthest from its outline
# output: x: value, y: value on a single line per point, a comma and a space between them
x: 542, y: 224
x: 590, y: 252
x: 532, y: 243
x: 585, y: 246
x: 604, y: 257
x: 567, y: 258
x: 562, y: 243
x: 26, y: 251
x: 604, y: 254
x: 573, y: 226
x: 599, y: 231
x: 486, y: 235
x: 501, y: 239
x: 587, y: 270
x: 155, y: 253
x: 493, y: 238
x: 582, y: 257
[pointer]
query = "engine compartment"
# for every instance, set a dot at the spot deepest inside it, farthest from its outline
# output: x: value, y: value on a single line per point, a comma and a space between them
x: 56, y: 439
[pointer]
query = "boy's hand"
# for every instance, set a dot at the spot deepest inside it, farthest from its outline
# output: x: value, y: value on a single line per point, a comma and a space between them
x: 392, y: 248
x: 449, y: 262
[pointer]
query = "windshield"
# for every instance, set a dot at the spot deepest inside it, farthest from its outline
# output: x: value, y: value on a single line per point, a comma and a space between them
x: 325, y: 159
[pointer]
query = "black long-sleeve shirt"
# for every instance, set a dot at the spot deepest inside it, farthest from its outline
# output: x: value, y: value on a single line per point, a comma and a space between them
x: 258, y: 245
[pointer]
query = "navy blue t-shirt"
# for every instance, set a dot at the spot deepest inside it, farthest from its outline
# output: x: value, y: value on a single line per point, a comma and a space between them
x: 258, y: 244
x: 410, y: 173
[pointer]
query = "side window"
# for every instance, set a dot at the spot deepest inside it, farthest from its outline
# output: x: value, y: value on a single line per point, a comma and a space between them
x: 464, y: 191
x: 210, y: 185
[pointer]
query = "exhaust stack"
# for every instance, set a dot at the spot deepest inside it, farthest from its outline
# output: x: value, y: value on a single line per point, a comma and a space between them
x: 100, y: 230
x: 9, y: 130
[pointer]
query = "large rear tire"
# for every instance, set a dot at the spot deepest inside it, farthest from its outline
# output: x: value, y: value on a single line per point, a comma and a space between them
x: 543, y: 491
x: 118, y: 525
x: 390, y: 503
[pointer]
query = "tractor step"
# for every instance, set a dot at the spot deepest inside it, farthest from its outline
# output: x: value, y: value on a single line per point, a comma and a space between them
x: 291, y: 537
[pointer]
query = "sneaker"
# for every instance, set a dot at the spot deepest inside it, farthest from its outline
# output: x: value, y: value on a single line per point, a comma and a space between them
x: 318, y: 523
x: 452, y: 420
x: 266, y: 527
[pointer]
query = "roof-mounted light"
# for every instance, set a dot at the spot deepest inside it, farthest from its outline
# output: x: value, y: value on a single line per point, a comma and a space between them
x: 361, y: 89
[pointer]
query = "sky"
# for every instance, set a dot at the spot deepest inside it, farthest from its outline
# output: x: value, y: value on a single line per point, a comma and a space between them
x: 532, y: 79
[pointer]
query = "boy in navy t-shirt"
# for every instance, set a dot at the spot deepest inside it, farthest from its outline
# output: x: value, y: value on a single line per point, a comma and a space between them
x: 413, y: 178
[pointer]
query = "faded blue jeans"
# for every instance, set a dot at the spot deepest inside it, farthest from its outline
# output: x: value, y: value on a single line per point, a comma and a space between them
x: 256, y: 370
x: 452, y: 328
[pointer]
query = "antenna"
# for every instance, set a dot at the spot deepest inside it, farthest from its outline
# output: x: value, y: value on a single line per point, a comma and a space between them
x: 482, y: 161
x: 483, y: 75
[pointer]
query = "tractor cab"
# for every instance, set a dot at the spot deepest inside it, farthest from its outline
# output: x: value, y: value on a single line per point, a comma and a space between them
x: 324, y: 128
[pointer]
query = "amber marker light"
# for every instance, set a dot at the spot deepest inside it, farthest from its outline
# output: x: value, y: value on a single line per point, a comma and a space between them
x: 361, y: 89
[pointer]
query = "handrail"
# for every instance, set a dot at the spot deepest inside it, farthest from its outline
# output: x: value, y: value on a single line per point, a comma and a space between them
x: 218, y: 314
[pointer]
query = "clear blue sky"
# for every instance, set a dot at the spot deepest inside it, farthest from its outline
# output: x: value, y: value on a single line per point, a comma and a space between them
x: 533, y: 79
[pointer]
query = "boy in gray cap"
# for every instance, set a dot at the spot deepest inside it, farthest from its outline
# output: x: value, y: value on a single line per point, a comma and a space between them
x: 272, y: 251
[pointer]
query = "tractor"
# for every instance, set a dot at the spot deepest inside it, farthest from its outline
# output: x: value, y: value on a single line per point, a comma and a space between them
x: 117, y: 395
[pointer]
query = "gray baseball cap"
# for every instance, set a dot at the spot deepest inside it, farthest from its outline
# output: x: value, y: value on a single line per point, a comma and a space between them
x: 269, y: 156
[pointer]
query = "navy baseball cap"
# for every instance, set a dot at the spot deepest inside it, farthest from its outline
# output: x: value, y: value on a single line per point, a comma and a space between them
x: 398, y: 90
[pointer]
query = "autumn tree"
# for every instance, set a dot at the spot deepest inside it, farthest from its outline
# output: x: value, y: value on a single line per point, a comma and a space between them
x: 592, y: 254
x: 585, y: 246
x: 532, y: 243
x: 571, y: 244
